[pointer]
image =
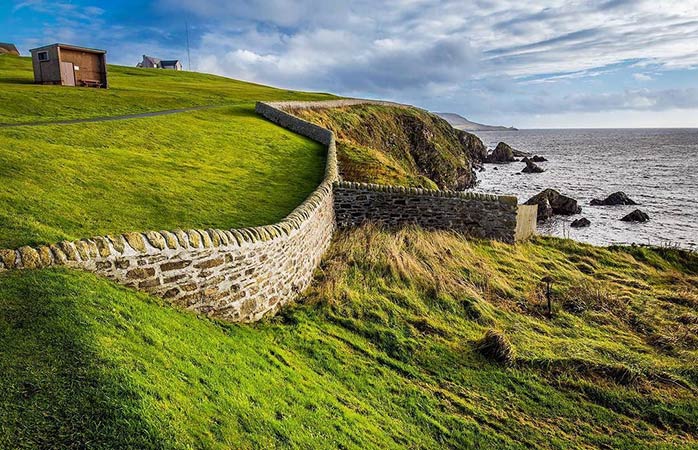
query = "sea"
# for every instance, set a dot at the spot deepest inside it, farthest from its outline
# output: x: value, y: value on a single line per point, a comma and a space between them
x: 658, y: 168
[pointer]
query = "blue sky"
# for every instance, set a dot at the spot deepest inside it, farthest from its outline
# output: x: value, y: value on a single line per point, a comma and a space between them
x: 611, y: 63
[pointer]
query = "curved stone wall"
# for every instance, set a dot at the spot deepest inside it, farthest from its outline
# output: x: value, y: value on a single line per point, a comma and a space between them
x: 238, y: 275
x: 243, y: 274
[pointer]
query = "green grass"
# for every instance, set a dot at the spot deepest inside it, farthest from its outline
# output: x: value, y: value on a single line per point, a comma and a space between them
x: 398, y: 146
x: 217, y: 168
x: 223, y: 167
x: 131, y: 91
x: 379, y: 354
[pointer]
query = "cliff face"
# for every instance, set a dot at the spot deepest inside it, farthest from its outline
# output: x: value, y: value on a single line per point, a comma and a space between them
x: 400, y: 146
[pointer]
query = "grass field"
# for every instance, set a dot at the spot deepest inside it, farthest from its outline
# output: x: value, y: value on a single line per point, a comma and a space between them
x: 380, y: 354
x: 131, y: 90
x: 222, y: 167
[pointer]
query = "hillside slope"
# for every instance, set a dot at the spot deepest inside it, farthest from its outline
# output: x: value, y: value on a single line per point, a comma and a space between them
x: 400, y: 146
x: 131, y: 90
x: 381, y: 353
x: 221, y: 168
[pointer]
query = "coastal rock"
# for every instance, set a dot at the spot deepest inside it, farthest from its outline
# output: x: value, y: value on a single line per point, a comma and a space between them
x: 580, y: 223
x: 636, y: 216
x: 545, y: 210
x: 556, y: 203
x: 473, y: 146
x: 520, y: 154
x: 537, y: 158
x: 503, y: 153
x: 617, y: 198
x: 532, y: 167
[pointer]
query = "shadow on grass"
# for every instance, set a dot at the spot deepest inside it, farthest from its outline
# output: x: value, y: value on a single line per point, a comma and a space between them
x: 55, y: 391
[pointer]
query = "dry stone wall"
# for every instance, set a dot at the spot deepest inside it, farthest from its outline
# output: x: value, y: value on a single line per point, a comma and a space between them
x: 237, y: 275
x: 474, y: 214
x: 243, y: 274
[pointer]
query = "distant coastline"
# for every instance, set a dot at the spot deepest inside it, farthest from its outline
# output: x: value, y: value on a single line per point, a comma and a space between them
x: 461, y: 123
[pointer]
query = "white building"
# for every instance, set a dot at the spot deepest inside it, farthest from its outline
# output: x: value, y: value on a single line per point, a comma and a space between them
x: 156, y: 63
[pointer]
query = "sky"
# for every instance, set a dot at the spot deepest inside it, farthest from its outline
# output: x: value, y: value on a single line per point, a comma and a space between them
x: 529, y: 64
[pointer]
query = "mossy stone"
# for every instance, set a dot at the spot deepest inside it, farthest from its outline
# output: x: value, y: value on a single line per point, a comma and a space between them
x: 58, y: 255
x: 135, y: 240
x: 30, y: 257
x: 170, y: 239
x: 118, y: 243
x: 194, y: 238
x: 156, y: 240
x: 182, y: 238
x: 205, y: 238
x: 45, y: 255
x: 69, y: 250
x: 8, y: 258
x: 102, y: 246
x: 82, y: 249
x: 215, y: 240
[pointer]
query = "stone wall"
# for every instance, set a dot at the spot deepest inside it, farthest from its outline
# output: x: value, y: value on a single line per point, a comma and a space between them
x: 237, y: 275
x: 243, y: 274
x: 474, y: 214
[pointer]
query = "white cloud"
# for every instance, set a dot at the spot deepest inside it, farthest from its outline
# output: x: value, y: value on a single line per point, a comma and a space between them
x: 642, y: 77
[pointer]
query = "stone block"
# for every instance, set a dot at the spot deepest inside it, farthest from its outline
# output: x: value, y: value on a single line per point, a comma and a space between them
x: 8, y: 258
x: 174, y: 265
x: 135, y: 240
x: 156, y: 239
x: 30, y: 257
x: 140, y: 273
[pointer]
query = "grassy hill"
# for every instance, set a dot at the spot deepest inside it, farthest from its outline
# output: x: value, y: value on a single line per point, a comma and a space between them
x: 385, y: 350
x: 400, y: 146
x: 223, y: 167
x: 131, y: 90
x: 381, y: 353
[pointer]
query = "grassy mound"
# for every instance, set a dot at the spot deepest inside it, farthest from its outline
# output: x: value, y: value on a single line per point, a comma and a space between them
x: 400, y: 146
x: 381, y: 353
x: 222, y: 167
x: 131, y: 91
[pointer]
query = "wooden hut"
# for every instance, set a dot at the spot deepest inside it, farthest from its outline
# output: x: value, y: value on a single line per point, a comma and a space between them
x: 69, y: 65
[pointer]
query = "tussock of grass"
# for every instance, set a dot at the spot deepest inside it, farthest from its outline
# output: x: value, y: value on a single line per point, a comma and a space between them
x: 381, y: 353
x: 494, y: 345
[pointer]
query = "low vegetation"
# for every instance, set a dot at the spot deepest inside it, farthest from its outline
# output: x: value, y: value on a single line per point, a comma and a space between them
x: 400, y: 146
x: 384, y: 351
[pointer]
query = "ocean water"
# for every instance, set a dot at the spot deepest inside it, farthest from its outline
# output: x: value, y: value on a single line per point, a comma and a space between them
x: 657, y: 168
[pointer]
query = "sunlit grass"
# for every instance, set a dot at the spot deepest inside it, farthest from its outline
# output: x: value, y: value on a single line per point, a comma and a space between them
x: 380, y: 353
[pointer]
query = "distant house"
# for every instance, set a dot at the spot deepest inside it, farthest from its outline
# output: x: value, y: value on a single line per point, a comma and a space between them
x: 8, y: 49
x: 70, y: 65
x: 156, y: 63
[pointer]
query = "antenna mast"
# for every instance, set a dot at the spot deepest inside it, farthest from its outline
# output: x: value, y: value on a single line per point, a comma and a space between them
x: 186, y: 25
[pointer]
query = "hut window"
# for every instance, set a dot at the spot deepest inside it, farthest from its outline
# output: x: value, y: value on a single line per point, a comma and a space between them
x: 43, y: 56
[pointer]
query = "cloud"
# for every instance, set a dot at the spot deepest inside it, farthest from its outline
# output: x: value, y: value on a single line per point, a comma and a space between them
x: 642, y: 77
x: 478, y: 56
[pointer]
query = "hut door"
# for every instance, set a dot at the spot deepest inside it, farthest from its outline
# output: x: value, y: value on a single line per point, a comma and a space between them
x: 67, y: 73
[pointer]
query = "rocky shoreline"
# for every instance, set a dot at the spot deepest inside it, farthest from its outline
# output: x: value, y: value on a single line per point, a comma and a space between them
x: 550, y: 202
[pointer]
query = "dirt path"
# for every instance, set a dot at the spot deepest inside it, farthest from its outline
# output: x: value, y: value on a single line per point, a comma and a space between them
x: 109, y: 118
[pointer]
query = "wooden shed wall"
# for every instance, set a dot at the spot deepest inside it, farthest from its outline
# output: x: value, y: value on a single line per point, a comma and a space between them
x: 47, y: 71
x: 91, y: 65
